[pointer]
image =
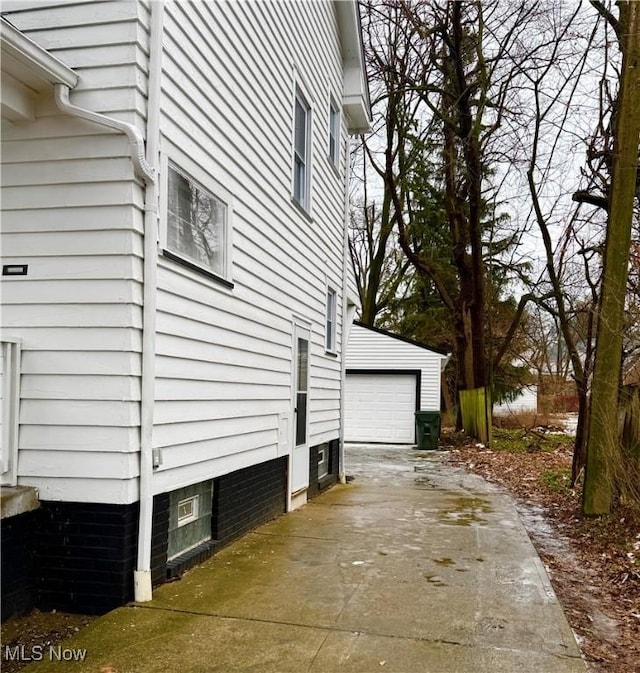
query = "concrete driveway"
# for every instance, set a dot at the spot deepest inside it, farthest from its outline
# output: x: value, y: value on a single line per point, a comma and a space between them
x: 414, y: 566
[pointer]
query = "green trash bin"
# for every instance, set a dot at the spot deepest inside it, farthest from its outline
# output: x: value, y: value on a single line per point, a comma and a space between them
x: 428, y: 429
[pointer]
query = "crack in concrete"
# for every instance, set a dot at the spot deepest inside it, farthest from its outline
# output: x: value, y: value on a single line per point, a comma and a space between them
x: 338, y: 629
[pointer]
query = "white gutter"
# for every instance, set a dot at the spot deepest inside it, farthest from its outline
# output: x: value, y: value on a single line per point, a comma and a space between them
x: 39, y: 61
x: 356, y: 105
x: 144, y: 168
x: 142, y: 573
x: 347, y: 315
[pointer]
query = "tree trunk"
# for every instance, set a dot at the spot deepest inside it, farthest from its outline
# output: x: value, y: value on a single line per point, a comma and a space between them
x: 370, y: 306
x: 463, y: 165
x: 470, y: 144
x: 580, y: 446
x: 604, y: 447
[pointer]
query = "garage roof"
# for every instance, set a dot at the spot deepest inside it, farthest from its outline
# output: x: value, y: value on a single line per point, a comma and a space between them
x: 439, y: 351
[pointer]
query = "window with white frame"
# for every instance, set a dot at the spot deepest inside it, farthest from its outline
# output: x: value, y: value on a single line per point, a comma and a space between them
x: 188, y: 510
x: 196, y: 223
x: 330, y: 342
x: 189, y: 517
x: 301, y: 151
x: 334, y: 133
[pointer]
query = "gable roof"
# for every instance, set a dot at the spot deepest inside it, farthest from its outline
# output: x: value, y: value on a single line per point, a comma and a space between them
x: 406, y: 340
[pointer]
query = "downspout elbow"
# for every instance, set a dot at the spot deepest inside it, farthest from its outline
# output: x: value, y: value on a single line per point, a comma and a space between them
x: 136, y: 141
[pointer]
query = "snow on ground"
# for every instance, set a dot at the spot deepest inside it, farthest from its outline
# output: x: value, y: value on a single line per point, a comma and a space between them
x: 570, y: 422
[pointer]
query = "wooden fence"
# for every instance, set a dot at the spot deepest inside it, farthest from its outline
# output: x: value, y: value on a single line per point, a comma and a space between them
x: 630, y: 437
x: 475, y: 409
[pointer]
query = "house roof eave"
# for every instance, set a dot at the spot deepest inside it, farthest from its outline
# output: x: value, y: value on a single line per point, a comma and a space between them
x: 29, y: 63
x: 356, y: 98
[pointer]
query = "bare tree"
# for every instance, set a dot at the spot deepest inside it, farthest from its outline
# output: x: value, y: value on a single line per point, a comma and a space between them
x: 471, y: 95
x: 381, y: 270
x: 603, y: 449
x: 446, y: 88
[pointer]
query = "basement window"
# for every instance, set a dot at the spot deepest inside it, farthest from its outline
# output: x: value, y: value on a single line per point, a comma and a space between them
x: 323, y: 461
x: 189, y: 517
x: 188, y: 510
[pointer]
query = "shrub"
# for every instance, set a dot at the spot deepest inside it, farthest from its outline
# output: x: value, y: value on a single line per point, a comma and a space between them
x: 525, y: 420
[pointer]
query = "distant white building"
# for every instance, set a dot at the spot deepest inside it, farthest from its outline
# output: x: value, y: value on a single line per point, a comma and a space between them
x: 527, y: 400
x: 174, y: 278
x: 389, y: 378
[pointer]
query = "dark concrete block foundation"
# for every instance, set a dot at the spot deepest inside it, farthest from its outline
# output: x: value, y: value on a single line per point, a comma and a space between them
x: 80, y: 557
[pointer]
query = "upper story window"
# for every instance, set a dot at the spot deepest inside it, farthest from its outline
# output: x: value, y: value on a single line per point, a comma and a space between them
x: 334, y: 133
x: 197, y: 228
x: 330, y: 340
x: 301, y: 151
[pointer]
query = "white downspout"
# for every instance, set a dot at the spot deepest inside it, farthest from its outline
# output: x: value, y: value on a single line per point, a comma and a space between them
x: 346, y: 317
x: 144, y: 168
x: 136, y: 141
x: 142, y: 573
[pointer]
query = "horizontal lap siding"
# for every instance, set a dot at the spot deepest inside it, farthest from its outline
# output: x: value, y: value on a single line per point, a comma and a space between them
x: 72, y: 211
x: 368, y: 349
x: 224, y: 355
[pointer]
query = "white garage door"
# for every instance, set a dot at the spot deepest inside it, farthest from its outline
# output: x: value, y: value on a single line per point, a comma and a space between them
x: 380, y: 408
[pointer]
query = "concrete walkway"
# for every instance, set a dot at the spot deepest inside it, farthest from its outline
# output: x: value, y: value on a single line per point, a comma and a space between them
x: 412, y: 567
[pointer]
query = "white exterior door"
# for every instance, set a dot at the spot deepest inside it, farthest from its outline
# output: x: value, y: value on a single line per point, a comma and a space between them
x: 380, y: 408
x: 300, y: 451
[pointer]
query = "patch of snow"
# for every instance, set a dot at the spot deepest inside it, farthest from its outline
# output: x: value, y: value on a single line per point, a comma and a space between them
x: 570, y: 422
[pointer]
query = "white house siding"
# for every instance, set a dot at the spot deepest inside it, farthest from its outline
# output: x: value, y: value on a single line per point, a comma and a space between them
x: 72, y: 212
x: 224, y: 355
x: 369, y: 349
x: 527, y: 400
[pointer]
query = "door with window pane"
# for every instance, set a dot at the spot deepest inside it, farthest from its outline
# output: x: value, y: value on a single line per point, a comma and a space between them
x: 300, y: 456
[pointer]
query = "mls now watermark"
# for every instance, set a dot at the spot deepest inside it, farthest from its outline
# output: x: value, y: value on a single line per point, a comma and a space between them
x: 43, y: 652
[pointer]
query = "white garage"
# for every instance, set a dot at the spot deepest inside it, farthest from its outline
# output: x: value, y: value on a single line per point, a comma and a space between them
x: 388, y: 379
x: 380, y: 407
